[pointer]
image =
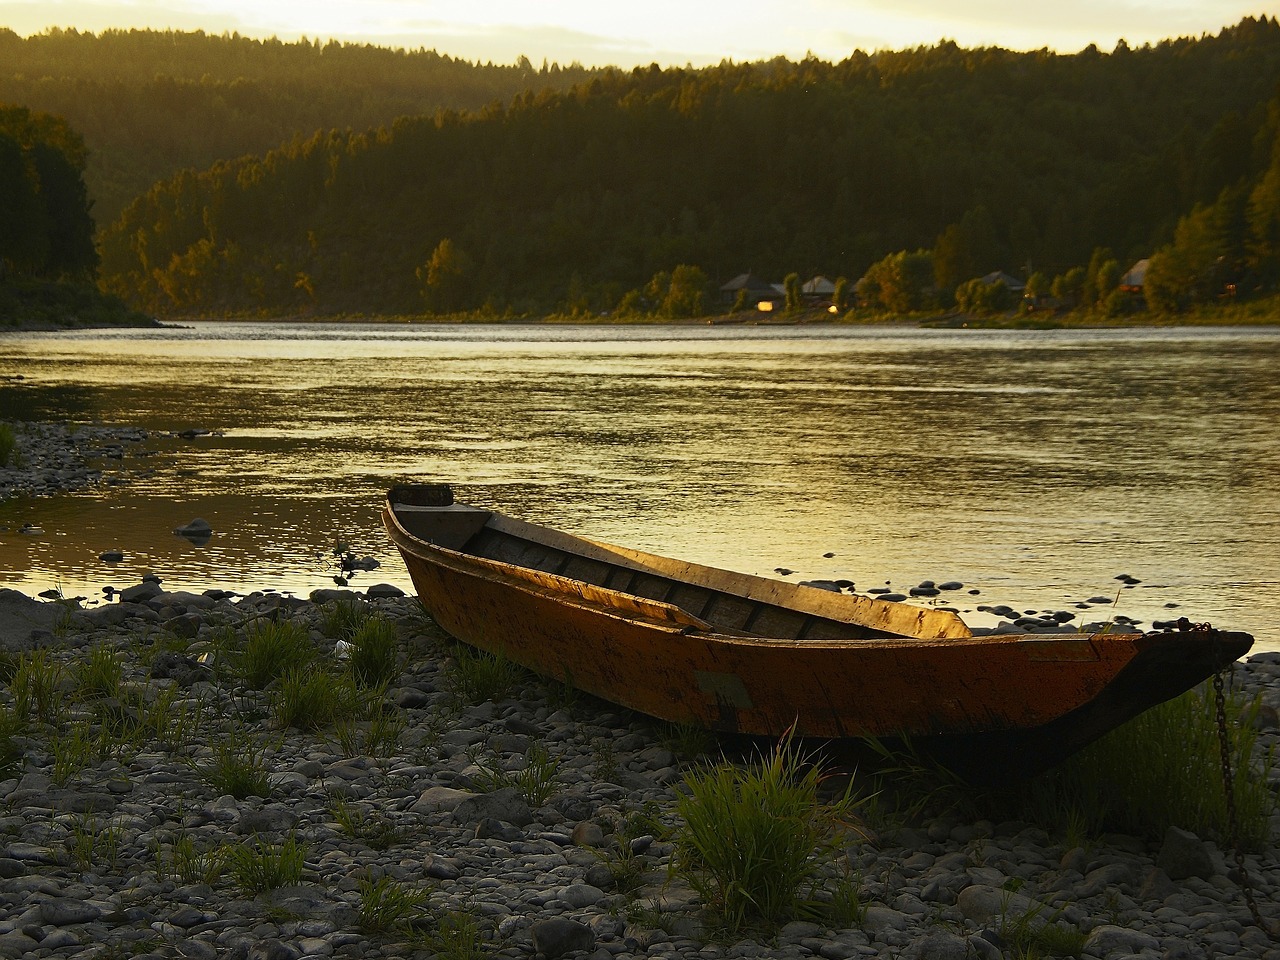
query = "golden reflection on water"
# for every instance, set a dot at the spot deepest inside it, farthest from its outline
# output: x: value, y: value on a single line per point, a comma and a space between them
x: 1035, y: 466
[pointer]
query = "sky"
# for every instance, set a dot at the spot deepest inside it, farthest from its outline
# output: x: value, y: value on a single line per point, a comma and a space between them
x: 668, y: 32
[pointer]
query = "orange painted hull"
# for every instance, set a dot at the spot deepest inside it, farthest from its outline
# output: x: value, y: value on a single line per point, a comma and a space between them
x: 965, y: 697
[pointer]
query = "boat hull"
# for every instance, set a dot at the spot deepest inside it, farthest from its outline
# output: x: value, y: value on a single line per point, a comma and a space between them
x: 993, y: 705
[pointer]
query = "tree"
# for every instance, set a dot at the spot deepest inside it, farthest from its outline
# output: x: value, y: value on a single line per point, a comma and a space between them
x: 1037, y: 289
x: 45, y: 227
x: 1187, y: 271
x: 840, y: 296
x: 969, y: 248
x: 901, y: 282
x: 686, y: 294
x: 978, y: 296
x: 445, y: 277
x: 1068, y: 288
x: 791, y: 285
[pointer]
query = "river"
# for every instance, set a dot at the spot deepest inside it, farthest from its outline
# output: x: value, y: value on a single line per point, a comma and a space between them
x: 1035, y: 467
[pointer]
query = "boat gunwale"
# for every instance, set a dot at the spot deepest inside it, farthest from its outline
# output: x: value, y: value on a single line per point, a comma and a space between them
x: 671, y: 618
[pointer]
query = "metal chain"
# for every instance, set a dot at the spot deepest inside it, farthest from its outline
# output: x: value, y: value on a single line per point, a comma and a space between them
x: 1229, y: 788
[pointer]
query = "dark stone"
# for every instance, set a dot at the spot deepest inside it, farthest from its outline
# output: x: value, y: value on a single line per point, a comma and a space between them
x: 199, y: 527
x: 383, y: 590
x: 63, y: 911
x: 491, y: 829
x: 140, y: 592
x: 273, y: 950
x: 501, y: 805
x: 1184, y: 855
x: 272, y: 819
x: 170, y: 665
x: 599, y: 875
x: 441, y: 869
x: 555, y: 937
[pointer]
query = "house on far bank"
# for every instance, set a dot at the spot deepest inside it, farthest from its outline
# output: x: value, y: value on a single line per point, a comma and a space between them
x: 819, y: 288
x: 1136, y: 278
x: 1012, y: 284
x: 754, y: 291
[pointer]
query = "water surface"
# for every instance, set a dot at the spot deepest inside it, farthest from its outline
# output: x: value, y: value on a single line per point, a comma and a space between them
x: 1034, y: 466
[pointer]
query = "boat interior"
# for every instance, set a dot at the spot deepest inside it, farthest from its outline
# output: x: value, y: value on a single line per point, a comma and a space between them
x: 733, y: 605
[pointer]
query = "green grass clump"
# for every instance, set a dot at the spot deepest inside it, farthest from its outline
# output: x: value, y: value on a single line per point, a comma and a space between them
x: 271, y: 650
x: 342, y: 619
x: 373, y: 828
x: 36, y: 686
x: 311, y: 699
x: 456, y: 935
x: 1035, y: 931
x: 94, y: 846
x: 375, y: 653
x: 1161, y: 769
x: 182, y: 859
x: 238, y: 767
x: 257, y: 868
x: 386, y: 905
x: 478, y: 675
x: 535, y: 783
x: 1164, y: 769
x: 8, y: 443
x: 755, y: 837
x: 100, y: 676
x: 378, y: 737
x: 11, y: 727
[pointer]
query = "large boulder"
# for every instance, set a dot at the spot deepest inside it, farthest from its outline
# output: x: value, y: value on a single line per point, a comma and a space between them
x: 21, y: 617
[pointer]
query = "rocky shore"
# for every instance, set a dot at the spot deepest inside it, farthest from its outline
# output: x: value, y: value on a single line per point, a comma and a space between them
x: 535, y: 823
x: 50, y: 458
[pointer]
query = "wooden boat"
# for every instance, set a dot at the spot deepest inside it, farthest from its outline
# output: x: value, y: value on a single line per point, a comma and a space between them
x: 743, y: 654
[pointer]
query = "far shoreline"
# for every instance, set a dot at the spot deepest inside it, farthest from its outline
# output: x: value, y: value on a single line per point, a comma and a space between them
x: 84, y: 308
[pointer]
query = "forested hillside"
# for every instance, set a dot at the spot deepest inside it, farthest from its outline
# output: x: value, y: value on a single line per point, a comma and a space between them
x: 985, y: 158
x: 149, y: 103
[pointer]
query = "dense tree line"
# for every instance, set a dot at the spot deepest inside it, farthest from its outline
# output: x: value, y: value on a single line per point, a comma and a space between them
x: 150, y: 103
x: 46, y: 231
x: 956, y: 162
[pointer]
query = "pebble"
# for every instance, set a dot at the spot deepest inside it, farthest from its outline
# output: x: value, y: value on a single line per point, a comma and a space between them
x: 538, y: 879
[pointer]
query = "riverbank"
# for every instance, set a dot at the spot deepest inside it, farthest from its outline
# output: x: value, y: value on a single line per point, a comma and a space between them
x: 88, y: 309
x: 121, y: 819
x: 40, y: 305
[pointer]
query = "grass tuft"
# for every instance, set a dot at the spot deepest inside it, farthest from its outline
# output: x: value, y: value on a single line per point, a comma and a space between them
x: 1122, y: 782
x: 311, y: 699
x: 387, y: 905
x: 271, y: 650
x: 754, y: 836
x: 478, y: 675
x: 36, y: 686
x: 374, y: 829
x: 342, y: 619
x: 457, y: 935
x: 535, y: 783
x: 375, y: 653
x: 257, y: 868
x: 100, y: 676
x: 239, y: 766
